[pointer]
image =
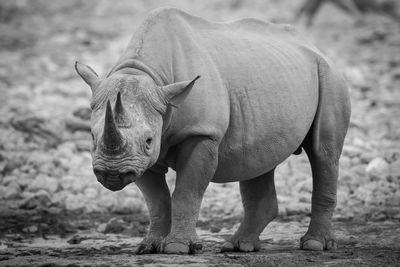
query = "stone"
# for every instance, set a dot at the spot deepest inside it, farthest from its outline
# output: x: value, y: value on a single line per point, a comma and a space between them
x: 59, y: 197
x: 352, y: 151
x: 107, y: 202
x: 115, y: 226
x: 45, y: 182
x: 91, y: 192
x: 75, y: 184
x: 102, y: 227
x: 75, y: 202
x: 128, y: 205
x: 395, y: 169
x: 30, y: 229
x: 3, y: 191
x: 13, y: 191
x: 345, y: 162
x: 39, y: 199
x: 9, y: 179
x: 378, y: 168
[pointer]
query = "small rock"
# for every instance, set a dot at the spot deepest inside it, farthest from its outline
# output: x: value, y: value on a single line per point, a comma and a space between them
x: 345, y: 162
x: 75, y: 202
x: 76, y: 239
x: 355, y: 161
x: 45, y: 182
x: 128, y: 205
x: 39, y: 200
x: 367, y: 157
x: 352, y: 151
x: 9, y: 179
x: 13, y: 191
x: 102, y: 227
x: 377, y: 168
x: 115, y: 226
x: 107, y: 201
x: 91, y: 192
x: 395, y: 169
x: 215, y: 229
x: 60, y: 196
x: 3, y: 190
x: 74, y: 184
x: 31, y: 229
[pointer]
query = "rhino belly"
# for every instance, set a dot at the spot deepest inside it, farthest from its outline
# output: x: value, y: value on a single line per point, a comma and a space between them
x: 265, y: 128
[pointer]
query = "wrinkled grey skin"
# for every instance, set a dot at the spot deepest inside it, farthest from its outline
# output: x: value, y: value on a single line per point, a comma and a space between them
x: 264, y: 93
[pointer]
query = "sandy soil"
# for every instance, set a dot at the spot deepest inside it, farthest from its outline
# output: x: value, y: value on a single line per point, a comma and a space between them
x: 54, y: 213
x: 81, y: 239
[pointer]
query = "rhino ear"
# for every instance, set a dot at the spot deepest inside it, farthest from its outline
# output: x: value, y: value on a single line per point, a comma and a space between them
x: 86, y: 73
x: 174, y: 94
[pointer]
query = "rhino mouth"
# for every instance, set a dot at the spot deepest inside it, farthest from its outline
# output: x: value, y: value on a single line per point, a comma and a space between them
x: 115, y: 181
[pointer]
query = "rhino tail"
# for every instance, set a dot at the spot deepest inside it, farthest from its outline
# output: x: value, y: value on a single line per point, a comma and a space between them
x: 333, y: 112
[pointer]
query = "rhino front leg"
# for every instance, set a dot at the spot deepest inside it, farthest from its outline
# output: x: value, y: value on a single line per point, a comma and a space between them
x: 325, y: 174
x: 196, y: 162
x: 260, y: 207
x: 158, y: 200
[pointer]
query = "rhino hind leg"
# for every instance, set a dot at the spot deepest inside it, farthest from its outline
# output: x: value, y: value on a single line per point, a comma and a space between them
x: 325, y: 174
x: 323, y: 146
x: 260, y: 207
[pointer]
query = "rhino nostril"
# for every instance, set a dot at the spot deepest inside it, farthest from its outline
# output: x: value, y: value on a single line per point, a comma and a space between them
x: 129, y: 176
x: 149, y: 142
x: 99, y: 174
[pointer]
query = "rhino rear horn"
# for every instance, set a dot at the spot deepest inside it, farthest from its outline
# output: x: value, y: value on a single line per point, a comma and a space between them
x: 87, y: 74
x: 112, y: 137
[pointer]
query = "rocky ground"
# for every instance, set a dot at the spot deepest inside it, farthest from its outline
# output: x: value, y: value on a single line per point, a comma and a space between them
x: 54, y: 212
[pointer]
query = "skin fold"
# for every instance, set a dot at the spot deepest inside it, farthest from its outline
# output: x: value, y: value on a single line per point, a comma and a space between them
x: 217, y: 102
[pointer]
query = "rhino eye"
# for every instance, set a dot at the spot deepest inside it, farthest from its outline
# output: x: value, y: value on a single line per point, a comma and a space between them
x: 92, y: 137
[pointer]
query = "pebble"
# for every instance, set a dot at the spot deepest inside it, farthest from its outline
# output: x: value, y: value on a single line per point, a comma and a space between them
x: 3, y: 190
x: 128, y: 205
x: 102, y: 227
x: 75, y: 184
x: 91, y: 192
x: 352, y: 151
x: 40, y: 199
x: 75, y: 202
x: 30, y: 229
x: 43, y: 181
x: 395, y: 169
x: 13, y: 191
x: 115, y: 226
x: 378, y: 168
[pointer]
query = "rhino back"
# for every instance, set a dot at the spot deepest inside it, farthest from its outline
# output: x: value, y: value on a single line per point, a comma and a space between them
x: 258, y: 93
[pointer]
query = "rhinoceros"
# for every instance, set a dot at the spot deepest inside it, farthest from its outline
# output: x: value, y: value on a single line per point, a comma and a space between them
x: 217, y: 102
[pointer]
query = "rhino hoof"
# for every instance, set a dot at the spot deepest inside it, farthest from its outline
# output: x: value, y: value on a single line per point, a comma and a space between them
x: 312, y: 245
x: 243, y: 246
x: 176, y: 248
x: 246, y: 247
x: 146, y: 249
x: 317, y: 244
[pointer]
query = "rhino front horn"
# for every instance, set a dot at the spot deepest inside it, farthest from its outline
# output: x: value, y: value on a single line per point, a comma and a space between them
x: 112, y: 137
x: 121, y: 117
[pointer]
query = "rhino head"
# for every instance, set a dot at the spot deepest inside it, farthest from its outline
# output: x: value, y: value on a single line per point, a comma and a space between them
x: 127, y: 122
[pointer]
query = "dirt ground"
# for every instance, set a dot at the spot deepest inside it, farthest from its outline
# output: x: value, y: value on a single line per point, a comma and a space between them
x: 53, y: 212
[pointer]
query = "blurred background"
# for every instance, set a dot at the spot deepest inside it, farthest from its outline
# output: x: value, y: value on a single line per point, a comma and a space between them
x: 45, y: 164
